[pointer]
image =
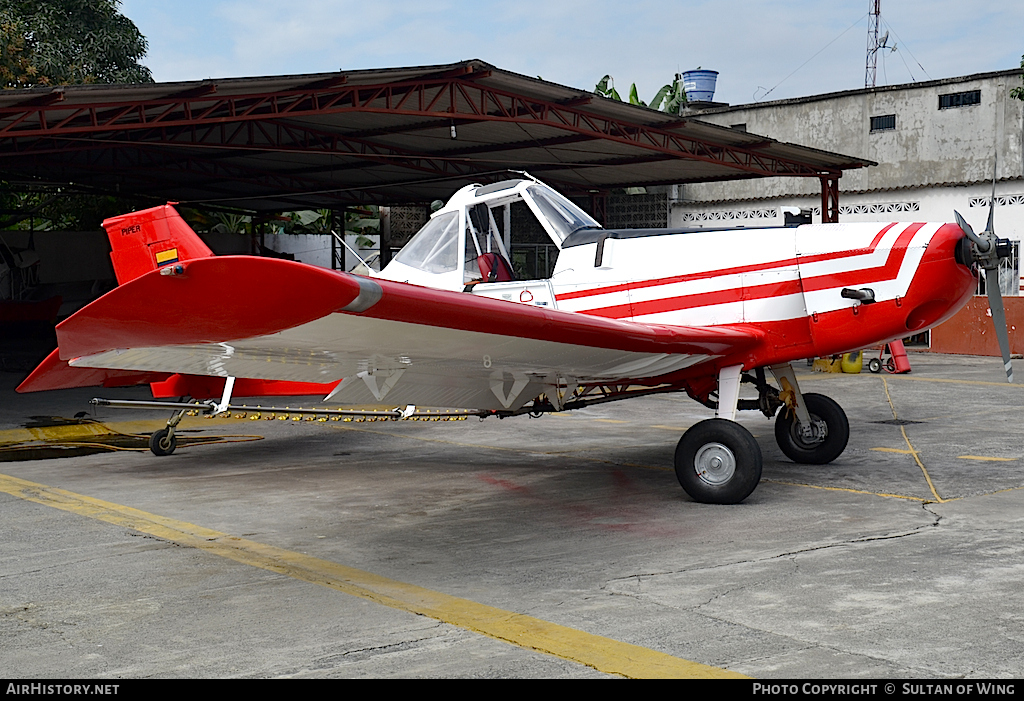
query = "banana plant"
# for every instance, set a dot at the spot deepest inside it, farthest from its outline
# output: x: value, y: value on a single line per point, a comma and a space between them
x: 670, y: 98
x: 231, y: 223
x: 606, y: 88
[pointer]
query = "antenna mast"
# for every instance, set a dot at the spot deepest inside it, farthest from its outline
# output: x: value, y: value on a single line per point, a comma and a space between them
x: 871, y: 63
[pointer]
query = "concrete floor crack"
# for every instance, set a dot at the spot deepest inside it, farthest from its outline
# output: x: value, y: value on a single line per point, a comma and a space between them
x: 788, y: 554
x: 390, y: 647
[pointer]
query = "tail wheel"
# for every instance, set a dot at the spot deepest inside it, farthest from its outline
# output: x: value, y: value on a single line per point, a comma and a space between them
x: 163, y: 442
x: 830, y: 437
x: 718, y: 462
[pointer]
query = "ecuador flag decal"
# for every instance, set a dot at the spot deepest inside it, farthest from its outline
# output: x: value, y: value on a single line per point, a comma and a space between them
x: 167, y: 257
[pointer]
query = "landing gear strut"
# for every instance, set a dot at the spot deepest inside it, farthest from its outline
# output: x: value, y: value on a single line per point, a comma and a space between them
x: 824, y: 439
x: 718, y: 461
x: 811, y: 428
x: 163, y: 442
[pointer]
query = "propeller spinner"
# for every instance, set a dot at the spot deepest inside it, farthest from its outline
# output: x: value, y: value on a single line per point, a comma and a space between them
x: 986, y: 250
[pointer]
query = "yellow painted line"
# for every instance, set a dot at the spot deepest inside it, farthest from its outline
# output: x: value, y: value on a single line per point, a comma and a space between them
x: 846, y: 489
x: 92, y: 429
x: 957, y: 382
x: 894, y: 450
x: 901, y: 378
x: 601, y: 653
x: 912, y: 451
x: 891, y: 496
x: 982, y: 457
x: 684, y: 429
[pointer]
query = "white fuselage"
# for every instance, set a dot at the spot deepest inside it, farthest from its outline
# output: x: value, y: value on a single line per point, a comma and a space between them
x: 703, y: 278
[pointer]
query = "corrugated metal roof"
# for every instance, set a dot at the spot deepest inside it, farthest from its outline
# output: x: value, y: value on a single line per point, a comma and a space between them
x: 387, y: 136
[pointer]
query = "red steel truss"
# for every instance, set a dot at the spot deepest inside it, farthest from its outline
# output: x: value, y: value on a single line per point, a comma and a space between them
x: 74, y: 134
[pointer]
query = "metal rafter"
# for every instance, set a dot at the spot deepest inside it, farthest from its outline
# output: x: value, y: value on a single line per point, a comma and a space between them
x: 148, y: 157
x: 448, y: 97
x: 252, y: 136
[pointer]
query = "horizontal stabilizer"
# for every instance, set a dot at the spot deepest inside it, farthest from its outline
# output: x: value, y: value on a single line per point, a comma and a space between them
x: 206, y: 301
x: 54, y: 373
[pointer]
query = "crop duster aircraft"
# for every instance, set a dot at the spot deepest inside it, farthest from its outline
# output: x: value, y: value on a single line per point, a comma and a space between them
x: 448, y: 323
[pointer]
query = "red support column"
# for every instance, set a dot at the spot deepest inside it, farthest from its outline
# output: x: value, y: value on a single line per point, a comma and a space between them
x: 829, y: 199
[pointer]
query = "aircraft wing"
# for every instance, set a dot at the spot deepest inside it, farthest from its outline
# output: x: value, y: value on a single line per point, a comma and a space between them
x: 380, y: 341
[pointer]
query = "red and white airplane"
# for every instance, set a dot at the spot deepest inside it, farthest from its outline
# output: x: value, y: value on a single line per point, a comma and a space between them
x: 623, y: 313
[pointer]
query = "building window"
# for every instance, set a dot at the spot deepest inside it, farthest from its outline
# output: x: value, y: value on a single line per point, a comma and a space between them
x: 886, y: 122
x: 738, y: 127
x: 960, y: 99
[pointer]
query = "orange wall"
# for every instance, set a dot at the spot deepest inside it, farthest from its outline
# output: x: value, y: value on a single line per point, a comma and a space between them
x: 971, y: 332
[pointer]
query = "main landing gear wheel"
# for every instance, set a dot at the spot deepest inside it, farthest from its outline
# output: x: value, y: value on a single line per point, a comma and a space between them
x: 718, y: 462
x: 163, y: 442
x: 823, y: 446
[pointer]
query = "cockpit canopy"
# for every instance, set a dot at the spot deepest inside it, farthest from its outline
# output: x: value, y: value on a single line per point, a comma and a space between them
x: 475, y: 236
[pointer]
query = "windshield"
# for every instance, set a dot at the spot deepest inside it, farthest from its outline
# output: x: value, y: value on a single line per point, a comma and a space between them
x: 563, y: 215
x: 436, y: 247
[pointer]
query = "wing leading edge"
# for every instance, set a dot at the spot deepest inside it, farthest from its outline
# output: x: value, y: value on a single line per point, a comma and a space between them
x: 279, y: 320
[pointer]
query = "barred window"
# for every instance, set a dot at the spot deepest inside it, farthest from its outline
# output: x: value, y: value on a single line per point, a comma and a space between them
x: 886, y: 122
x: 960, y: 99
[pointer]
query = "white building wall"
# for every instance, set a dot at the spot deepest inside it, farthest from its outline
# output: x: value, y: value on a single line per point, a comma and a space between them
x: 933, y: 162
x: 929, y: 146
x: 315, y: 249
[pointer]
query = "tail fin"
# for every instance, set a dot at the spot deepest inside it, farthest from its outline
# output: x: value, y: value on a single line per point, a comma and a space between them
x: 144, y: 241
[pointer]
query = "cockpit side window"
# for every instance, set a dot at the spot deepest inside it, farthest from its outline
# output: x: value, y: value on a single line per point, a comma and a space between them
x: 484, y: 243
x: 436, y: 247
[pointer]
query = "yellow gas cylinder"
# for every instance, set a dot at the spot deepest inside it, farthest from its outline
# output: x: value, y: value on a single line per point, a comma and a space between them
x: 827, y: 365
x: 853, y: 362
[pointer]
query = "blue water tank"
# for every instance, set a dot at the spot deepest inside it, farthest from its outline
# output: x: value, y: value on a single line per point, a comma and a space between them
x: 699, y: 85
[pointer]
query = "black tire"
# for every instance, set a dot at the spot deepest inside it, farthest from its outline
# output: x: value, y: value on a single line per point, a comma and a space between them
x: 836, y: 438
x: 875, y: 365
x: 718, y: 462
x: 161, y: 443
x: 890, y: 366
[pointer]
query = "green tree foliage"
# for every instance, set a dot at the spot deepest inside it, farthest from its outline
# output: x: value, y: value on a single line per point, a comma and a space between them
x: 1018, y: 93
x: 68, y: 42
x: 57, y: 211
x: 64, y: 42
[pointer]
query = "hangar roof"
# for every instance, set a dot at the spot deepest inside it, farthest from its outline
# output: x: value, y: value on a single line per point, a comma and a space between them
x: 382, y: 136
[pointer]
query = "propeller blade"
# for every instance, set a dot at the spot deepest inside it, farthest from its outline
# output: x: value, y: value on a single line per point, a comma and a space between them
x: 995, y: 304
x: 992, y: 202
x: 962, y: 223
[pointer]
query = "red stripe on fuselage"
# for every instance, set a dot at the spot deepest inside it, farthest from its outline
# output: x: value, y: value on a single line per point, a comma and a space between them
x: 704, y: 299
x: 850, y: 278
x: 888, y: 271
x: 754, y: 267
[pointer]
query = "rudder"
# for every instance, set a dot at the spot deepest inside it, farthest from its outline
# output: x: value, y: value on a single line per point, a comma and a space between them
x: 143, y: 241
